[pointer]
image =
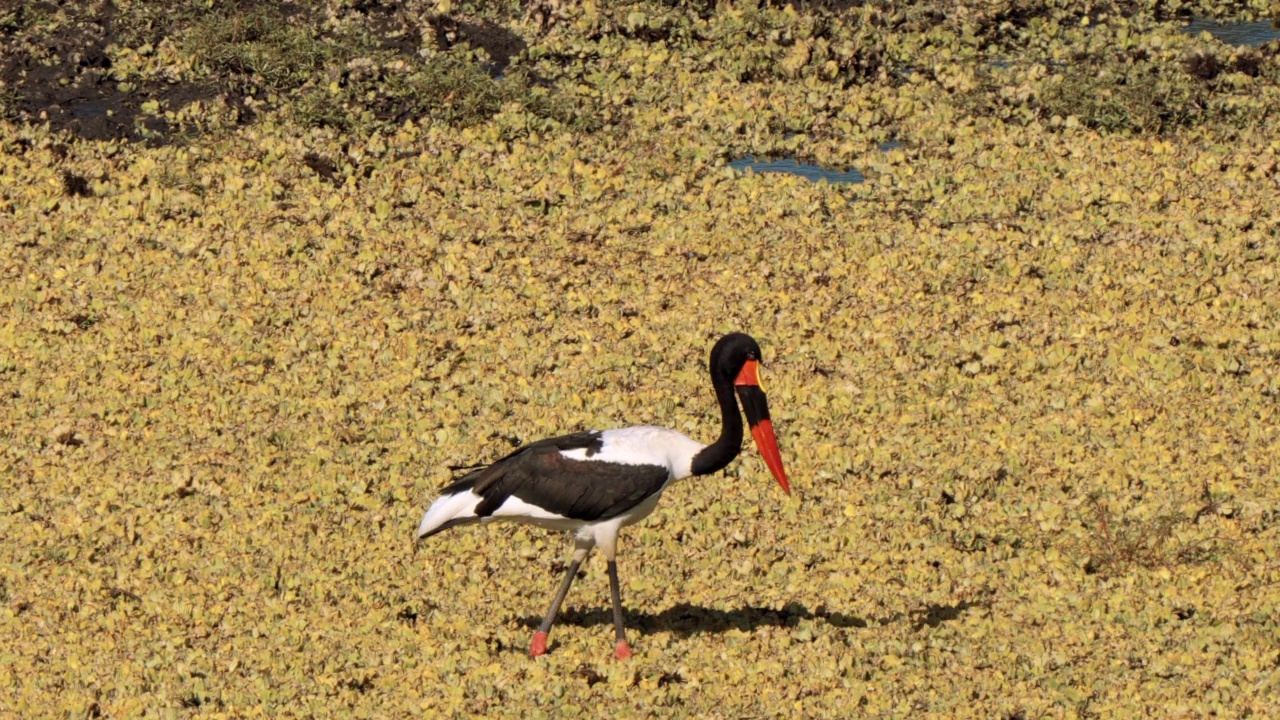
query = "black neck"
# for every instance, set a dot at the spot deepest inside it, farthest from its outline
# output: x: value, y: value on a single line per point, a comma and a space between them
x: 720, y: 453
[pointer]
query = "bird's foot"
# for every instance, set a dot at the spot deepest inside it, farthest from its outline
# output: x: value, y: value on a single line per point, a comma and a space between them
x: 622, y: 650
x: 539, y: 645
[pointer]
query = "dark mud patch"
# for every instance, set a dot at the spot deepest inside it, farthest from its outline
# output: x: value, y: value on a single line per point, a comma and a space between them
x: 499, y: 43
x: 391, y: 25
x: 396, y: 29
x: 56, y: 67
x: 58, y: 72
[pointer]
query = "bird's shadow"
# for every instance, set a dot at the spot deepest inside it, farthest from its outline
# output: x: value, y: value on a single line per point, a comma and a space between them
x: 686, y: 619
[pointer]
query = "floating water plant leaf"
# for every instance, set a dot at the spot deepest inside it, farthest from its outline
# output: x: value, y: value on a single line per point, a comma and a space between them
x: 1024, y: 376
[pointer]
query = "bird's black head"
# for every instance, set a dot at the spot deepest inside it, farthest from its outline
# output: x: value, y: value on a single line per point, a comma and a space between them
x: 736, y: 359
x: 731, y: 354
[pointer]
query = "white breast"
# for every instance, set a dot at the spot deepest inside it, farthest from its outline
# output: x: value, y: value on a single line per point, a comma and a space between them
x: 644, y: 445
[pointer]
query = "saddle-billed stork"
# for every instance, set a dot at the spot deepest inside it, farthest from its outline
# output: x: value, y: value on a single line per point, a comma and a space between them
x: 595, y: 483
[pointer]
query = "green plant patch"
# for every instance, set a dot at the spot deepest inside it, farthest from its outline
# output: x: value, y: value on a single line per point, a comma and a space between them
x: 277, y: 51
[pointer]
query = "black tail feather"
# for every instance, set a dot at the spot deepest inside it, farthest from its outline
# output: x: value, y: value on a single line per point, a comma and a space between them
x: 462, y: 484
x: 460, y: 468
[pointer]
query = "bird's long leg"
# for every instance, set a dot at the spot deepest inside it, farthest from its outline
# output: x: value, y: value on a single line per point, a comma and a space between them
x: 609, y: 546
x: 622, y: 650
x: 539, y: 644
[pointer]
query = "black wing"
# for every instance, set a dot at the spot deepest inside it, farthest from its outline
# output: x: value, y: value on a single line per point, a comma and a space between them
x: 538, y: 474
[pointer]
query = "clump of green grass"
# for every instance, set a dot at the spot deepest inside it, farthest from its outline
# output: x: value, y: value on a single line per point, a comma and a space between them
x: 1132, y: 92
x: 350, y: 82
x: 262, y: 43
x: 1117, y: 544
x: 448, y: 89
x: 8, y: 101
x: 1138, y: 98
x: 29, y: 19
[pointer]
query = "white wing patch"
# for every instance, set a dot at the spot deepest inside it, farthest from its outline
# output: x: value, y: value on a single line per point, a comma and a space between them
x: 644, y: 445
x: 513, y: 508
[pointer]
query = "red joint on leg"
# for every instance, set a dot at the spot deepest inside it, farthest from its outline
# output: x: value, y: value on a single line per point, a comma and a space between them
x: 539, y: 645
x: 622, y: 650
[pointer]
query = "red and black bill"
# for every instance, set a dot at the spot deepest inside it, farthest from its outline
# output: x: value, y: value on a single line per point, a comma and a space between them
x: 756, y: 407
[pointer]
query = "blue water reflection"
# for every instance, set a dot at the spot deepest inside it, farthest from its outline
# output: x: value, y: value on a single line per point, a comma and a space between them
x: 791, y: 166
x: 1249, y: 34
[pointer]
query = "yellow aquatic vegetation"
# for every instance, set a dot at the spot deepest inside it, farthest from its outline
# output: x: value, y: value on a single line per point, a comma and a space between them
x: 1024, y: 379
